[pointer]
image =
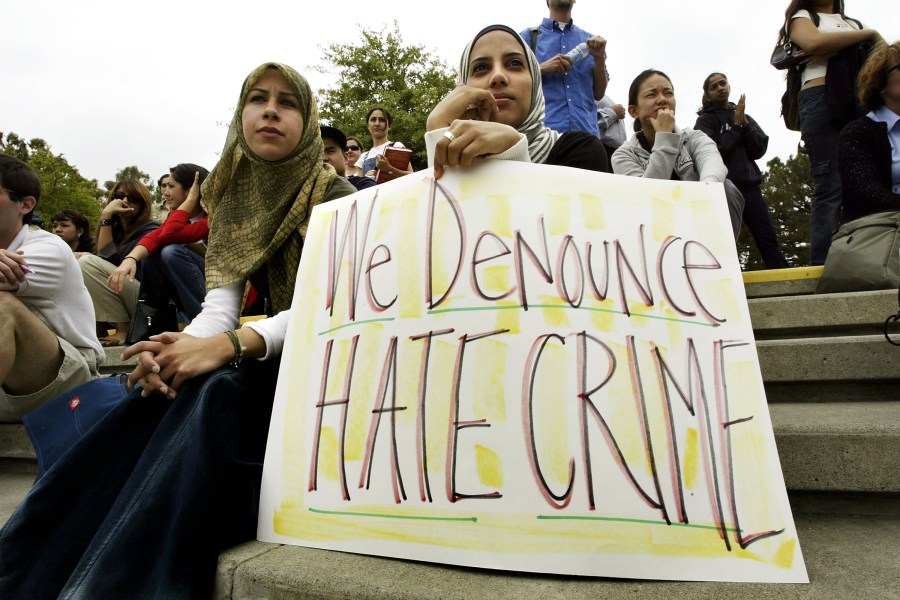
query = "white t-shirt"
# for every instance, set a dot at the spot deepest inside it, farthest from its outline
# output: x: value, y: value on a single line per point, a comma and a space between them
x: 369, y: 155
x: 828, y: 23
x: 54, y: 291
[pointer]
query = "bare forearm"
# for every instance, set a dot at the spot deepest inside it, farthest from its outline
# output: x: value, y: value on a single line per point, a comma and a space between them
x: 600, y: 79
x: 139, y: 253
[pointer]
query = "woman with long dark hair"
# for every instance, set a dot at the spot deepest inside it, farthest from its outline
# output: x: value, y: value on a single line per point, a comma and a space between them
x: 123, y: 222
x: 379, y: 122
x: 171, y: 259
x: 823, y: 31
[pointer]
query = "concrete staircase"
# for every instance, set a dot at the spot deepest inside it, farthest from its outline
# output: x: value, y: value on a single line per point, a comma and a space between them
x: 833, y: 385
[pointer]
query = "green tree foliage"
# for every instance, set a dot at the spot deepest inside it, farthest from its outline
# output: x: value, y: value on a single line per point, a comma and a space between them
x: 130, y: 172
x: 787, y: 188
x: 380, y: 70
x: 62, y: 186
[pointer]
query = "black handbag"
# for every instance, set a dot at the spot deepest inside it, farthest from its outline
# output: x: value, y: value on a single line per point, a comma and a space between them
x: 784, y: 56
x: 148, y: 321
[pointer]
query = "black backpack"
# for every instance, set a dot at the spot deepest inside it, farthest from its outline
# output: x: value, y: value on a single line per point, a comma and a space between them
x: 534, y: 36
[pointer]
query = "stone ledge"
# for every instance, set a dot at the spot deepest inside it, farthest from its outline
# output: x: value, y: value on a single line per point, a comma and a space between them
x: 857, y: 313
x: 839, y: 446
x: 845, y: 557
x: 14, y: 442
x: 847, y: 358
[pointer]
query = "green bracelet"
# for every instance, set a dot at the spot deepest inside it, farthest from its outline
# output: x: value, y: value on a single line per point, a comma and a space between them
x: 238, y: 348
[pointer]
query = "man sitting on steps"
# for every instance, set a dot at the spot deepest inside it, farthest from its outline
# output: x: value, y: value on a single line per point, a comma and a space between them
x: 47, y: 340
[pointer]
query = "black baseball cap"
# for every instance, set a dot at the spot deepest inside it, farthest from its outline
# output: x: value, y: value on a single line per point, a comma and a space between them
x: 335, y: 134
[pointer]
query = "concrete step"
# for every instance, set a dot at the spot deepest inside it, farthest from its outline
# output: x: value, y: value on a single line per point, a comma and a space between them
x: 857, y: 313
x: 825, y: 447
x: 16, y: 452
x: 845, y: 558
x: 851, y: 447
x: 862, y: 358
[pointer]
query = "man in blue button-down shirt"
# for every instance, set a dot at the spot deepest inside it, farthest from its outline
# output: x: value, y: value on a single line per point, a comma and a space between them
x: 570, y: 90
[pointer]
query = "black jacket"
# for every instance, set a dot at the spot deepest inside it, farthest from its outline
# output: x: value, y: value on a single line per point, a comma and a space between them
x: 740, y: 146
x: 864, y: 159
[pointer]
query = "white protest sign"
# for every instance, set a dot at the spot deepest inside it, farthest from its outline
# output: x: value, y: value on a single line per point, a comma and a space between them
x: 529, y: 368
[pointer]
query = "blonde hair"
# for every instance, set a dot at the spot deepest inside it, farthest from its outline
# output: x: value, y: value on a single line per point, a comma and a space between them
x: 873, y: 76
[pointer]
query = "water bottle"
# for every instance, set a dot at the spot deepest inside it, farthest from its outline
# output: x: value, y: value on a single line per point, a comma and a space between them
x: 578, y: 52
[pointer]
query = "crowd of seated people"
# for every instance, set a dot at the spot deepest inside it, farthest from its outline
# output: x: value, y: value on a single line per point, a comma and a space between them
x: 244, y: 222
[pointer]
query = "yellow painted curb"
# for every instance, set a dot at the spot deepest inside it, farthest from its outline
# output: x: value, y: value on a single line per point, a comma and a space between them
x: 796, y: 273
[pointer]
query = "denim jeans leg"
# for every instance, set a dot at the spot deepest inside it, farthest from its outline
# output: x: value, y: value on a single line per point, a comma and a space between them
x: 184, y: 268
x: 756, y: 217
x: 194, y: 492
x: 820, y: 136
x: 50, y: 531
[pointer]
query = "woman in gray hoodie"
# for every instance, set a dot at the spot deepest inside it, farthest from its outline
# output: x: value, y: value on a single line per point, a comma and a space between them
x: 661, y: 150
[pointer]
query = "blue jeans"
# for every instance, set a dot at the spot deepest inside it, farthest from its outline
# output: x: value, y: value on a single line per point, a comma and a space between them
x: 820, y: 135
x: 176, y: 273
x: 756, y: 218
x: 144, y: 503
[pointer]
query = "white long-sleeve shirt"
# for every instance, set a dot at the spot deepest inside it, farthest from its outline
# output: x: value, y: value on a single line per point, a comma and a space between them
x: 221, y: 308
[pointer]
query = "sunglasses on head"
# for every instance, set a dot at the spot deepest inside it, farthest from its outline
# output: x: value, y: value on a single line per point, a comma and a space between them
x: 353, y: 148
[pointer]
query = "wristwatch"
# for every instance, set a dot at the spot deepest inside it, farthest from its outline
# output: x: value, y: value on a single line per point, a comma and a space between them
x: 105, y: 222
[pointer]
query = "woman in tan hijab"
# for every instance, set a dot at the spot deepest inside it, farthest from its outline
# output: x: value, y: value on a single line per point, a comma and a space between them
x: 145, y: 502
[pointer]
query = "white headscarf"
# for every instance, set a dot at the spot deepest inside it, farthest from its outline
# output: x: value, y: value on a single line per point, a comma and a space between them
x: 540, y: 138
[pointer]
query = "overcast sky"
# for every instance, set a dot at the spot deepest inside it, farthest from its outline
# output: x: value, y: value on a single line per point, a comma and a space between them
x: 110, y: 84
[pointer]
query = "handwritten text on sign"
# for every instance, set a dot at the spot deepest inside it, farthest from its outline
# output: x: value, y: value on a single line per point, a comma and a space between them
x: 528, y: 368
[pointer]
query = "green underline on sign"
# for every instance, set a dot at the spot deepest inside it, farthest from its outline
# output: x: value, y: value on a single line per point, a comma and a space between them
x: 569, y: 307
x: 351, y: 324
x: 639, y: 521
x: 379, y: 516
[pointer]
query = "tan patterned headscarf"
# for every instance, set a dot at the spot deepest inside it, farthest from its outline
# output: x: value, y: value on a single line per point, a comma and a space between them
x: 259, y: 210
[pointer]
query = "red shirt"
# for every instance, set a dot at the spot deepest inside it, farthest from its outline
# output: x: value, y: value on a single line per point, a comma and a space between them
x: 176, y: 229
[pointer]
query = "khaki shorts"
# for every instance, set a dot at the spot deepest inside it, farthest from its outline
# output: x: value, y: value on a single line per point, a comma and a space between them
x: 78, y: 366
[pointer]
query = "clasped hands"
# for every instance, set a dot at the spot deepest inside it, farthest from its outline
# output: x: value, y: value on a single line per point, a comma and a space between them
x: 169, y: 359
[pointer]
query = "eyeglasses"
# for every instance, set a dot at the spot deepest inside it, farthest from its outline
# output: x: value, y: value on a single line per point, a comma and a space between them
x: 894, y: 68
x: 353, y: 148
x: 124, y: 196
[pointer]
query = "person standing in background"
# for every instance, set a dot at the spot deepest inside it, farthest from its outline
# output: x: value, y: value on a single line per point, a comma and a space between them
x: 610, y: 120
x: 741, y: 141
x: 571, y: 88
x: 822, y: 30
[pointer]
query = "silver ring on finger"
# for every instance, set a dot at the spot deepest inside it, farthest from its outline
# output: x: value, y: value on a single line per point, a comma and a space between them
x: 449, y: 135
